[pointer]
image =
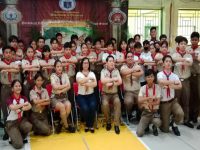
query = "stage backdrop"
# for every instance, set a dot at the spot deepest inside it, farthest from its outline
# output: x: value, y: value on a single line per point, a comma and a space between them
x: 88, y: 17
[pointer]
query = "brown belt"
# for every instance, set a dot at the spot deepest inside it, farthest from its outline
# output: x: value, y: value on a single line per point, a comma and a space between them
x: 169, y: 101
x: 60, y: 96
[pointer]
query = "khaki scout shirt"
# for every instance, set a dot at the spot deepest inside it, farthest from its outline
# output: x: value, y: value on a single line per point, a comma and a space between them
x: 35, y: 62
x: 56, y: 80
x: 183, y: 72
x: 34, y: 95
x: 70, y: 69
x: 130, y: 82
x: 195, y: 69
x: 47, y: 72
x: 5, y: 75
x: 107, y: 74
x: 143, y: 93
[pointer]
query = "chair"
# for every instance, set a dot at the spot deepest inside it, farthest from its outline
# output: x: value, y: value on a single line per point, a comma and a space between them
x: 53, y: 110
x: 75, y: 89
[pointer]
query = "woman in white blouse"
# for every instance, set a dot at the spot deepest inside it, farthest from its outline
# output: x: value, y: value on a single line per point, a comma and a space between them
x: 86, y: 98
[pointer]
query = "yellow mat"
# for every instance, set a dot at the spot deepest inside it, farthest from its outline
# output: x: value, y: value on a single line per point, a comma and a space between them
x: 100, y: 140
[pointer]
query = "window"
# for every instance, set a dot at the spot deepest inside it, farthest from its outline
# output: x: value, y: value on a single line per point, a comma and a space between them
x: 140, y: 21
x: 188, y: 21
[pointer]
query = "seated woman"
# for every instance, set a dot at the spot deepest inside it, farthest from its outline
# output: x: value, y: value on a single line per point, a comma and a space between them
x: 17, y: 126
x: 40, y: 100
x: 86, y: 97
x: 60, y: 85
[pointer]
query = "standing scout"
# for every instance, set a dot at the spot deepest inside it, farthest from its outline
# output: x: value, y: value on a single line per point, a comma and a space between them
x: 40, y: 101
x: 40, y: 45
x: 111, y: 79
x: 9, y: 72
x: 194, y: 50
x: 30, y: 66
x: 131, y: 73
x: 149, y: 100
x: 46, y: 64
x: 69, y: 65
x: 183, y: 63
x: 169, y: 82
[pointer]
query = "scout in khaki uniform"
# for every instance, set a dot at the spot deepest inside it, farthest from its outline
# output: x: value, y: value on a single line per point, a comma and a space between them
x: 69, y: 64
x: 46, y: 64
x: 149, y: 100
x: 194, y: 50
x: 131, y: 73
x: 17, y: 126
x: 98, y: 64
x: 169, y: 82
x: 10, y: 71
x: 183, y: 63
x: 60, y: 85
x: 40, y: 45
x: 111, y: 79
x: 30, y: 67
x: 56, y: 53
x: 40, y: 101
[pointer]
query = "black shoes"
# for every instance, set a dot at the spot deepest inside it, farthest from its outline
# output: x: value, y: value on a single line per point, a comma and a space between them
x: 117, y: 131
x: 86, y: 129
x: 5, y: 137
x: 198, y: 127
x: 92, y: 130
x: 155, y: 131
x: 189, y: 124
x: 146, y: 129
x: 1, y: 125
x: 58, y: 128
x: 71, y: 129
x: 108, y: 126
x: 176, y: 131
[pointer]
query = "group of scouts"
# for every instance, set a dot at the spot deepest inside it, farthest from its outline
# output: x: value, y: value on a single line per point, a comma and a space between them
x: 159, y: 83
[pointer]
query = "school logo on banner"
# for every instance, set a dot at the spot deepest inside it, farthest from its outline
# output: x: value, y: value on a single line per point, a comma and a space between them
x: 117, y: 17
x: 67, y: 5
x: 11, y: 15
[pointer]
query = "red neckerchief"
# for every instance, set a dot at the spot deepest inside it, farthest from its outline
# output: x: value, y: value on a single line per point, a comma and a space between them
x: 132, y: 50
x: 8, y: 62
x: 47, y: 60
x: 60, y: 77
x: 67, y: 57
x: 30, y: 73
x: 137, y: 54
x: 182, y: 54
x: 40, y: 50
x: 168, y: 89
x: 147, y: 90
x: 147, y: 95
x: 19, y: 114
x: 60, y: 47
x: 124, y: 52
x: 39, y: 93
x: 109, y: 52
x: 110, y: 87
x: 73, y: 53
x: 97, y: 51
x: 130, y: 67
x: 165, y: 53
x: 194, y: 47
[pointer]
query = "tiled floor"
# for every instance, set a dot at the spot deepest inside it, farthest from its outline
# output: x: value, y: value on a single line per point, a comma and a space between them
x: 189, y: 140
